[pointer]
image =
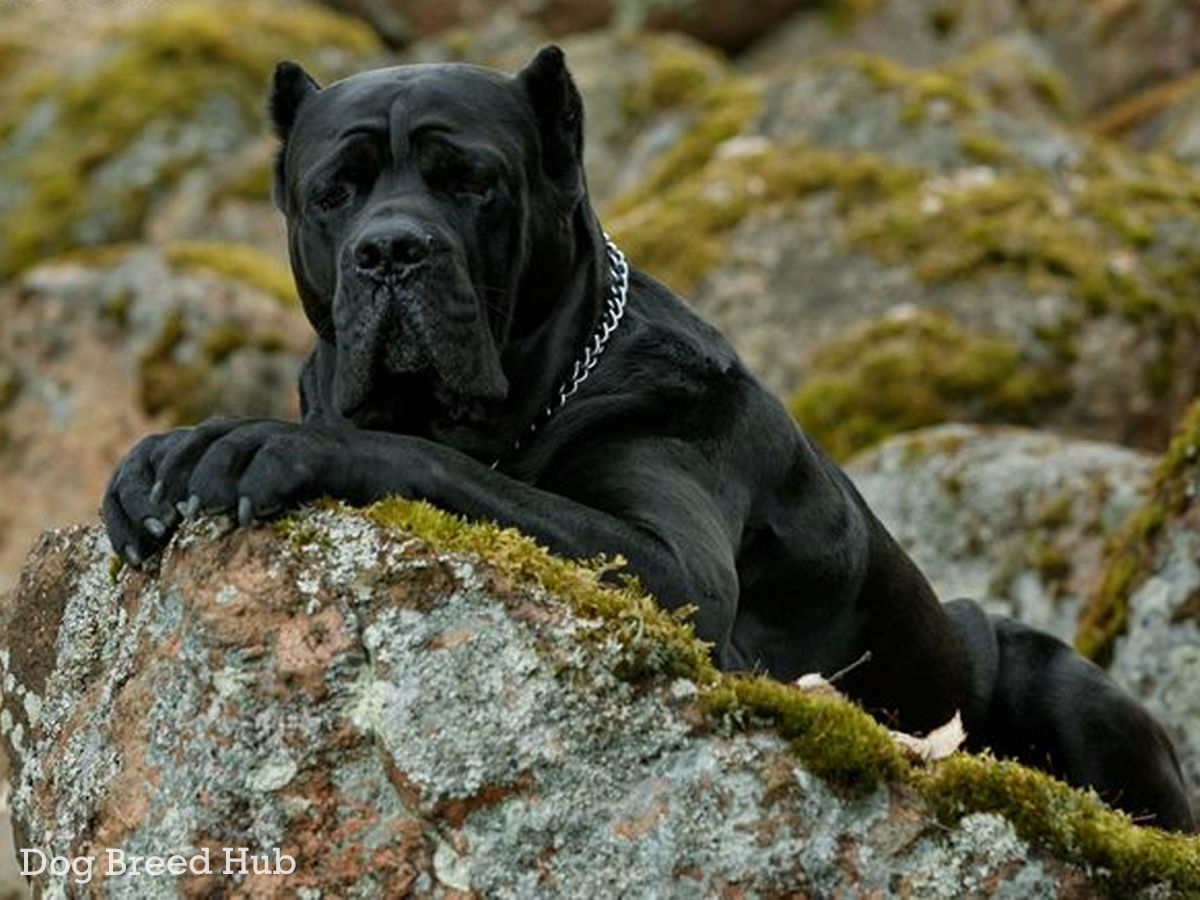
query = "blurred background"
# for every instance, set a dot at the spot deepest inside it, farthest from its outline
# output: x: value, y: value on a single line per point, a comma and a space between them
x: 904, y: 213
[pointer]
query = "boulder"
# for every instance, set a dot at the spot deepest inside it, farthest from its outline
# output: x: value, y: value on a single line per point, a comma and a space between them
x: 97, y: 353
x: 392, y: 702
x: 870, y: 235
x: 1013, y: 518
x: 1144, y: 618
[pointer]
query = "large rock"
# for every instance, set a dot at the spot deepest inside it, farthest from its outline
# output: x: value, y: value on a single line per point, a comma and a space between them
x: 1015, y: 519
x: 896, y: 248
x: 96, y: 354
x: 1145, y: 617
x: 395, y: 714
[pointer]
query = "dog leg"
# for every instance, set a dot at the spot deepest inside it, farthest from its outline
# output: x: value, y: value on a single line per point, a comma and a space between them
x: 1051, y: 708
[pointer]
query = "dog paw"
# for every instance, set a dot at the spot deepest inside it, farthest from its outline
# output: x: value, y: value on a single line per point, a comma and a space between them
x: 176, y: 476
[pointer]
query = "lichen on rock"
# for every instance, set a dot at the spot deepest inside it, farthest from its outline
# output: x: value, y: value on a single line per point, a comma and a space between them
x: 1143, y: 620
x: 1132, y: 554
x: 396, y: 698
x: 1014, y: 518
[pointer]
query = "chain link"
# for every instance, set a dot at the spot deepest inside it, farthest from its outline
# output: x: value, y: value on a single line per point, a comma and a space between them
x: 614, y: 309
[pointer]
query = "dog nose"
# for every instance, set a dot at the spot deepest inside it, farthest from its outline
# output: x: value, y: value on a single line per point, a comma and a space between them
x: 390, y: 250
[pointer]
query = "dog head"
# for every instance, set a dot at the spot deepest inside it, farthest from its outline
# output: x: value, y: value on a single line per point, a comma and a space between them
x: 431, y: 220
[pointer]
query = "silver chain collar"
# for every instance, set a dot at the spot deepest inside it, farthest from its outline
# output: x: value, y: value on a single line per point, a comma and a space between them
x: 614, y: 309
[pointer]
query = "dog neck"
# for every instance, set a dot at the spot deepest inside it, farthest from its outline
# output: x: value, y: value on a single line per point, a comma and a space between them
x: 539, y: 363
x: 593, y: 347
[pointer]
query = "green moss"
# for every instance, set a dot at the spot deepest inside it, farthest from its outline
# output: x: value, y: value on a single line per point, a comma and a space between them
x: 17, y: 44
x: 254, y: 182
x: 843, y: 15
x: 655, y: 641
x: 1075, y: 826
x: 675, y: 227
x: 101, y: 256
x: 115, y: 309
x: 162, y: 66
x: 953, y: 231
x: 1055, y: 512
x: 1100, y: 233
x: 680, y: 74
x: 945, y: 17
x: 116, y: 565
x: 981, y: 146
x: 301, y: 531
x: 836, y: 740
x: 240, y: 262
x: 1093, y: 239
x: 1051, y: 563
x: 1132, y: 552
x: 919, y: 90
x: 998, y: 69
x: 900, y: 374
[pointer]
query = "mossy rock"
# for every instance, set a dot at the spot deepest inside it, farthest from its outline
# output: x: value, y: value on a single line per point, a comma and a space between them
x: 1016, y: 518
x: 833, y: 738
x: 1143, y: 621
x: 648, y: 98
x: 457, y: 680
x: 903, y: 373
x: 862, y: 184
x: 184, y: 370
x: 1144, y: 539
x: 91, y: 148
x: 210, y: 328
x: 676, y: 224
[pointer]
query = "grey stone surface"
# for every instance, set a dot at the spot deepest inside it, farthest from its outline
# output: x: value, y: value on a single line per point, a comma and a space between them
x: 403, y: 720
x: 1014, y: 518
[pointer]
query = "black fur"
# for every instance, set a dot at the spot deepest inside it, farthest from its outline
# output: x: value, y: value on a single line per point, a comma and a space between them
x: 453, y: 269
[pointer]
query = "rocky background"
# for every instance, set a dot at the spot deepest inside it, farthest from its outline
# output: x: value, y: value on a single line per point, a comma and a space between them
x: 905, y: 214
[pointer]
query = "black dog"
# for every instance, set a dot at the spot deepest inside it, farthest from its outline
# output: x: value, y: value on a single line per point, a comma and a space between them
x: 482, y: 345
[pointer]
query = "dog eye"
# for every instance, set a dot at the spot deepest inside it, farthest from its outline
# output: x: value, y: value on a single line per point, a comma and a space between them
x: 333, y: 196
x: 463, y: 180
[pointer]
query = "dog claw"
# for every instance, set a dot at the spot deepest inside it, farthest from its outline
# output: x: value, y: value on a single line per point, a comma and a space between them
x: 155, y: 527
x: 132, y: 555
x: 245, y: 512
x: 190, y: 508
x: 156, y: 493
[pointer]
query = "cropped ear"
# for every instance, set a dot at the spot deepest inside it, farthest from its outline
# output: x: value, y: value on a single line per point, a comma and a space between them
x: 290, y: 87
x: 559, y: 110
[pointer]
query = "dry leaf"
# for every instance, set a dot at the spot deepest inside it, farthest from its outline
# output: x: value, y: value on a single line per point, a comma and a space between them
x: 816, y: 685
x: 938, y: 744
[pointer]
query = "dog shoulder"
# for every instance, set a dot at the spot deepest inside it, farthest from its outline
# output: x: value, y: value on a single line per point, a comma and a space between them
x: 668, y: 339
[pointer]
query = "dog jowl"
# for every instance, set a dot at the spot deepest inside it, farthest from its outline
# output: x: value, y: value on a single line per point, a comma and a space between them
x: 481, y: 344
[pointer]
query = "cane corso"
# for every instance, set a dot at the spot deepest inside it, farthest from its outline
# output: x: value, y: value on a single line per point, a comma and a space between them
x: 483, y: 345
